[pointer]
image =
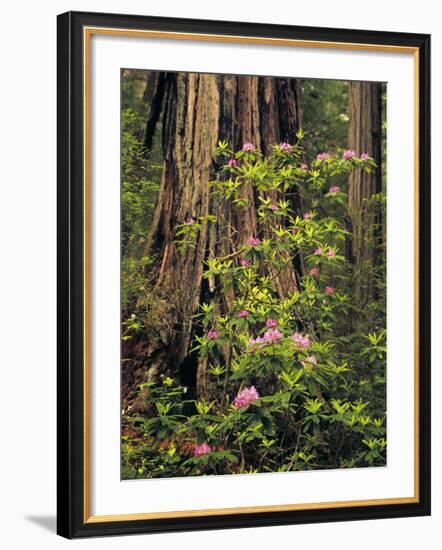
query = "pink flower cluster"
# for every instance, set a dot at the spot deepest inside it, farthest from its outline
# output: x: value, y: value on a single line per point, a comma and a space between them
x: 323, y: 156
x: 253, y: 241
x: 202, y: 449
x: 310, y: 361
x: 365, y: 156
x: 329, y: 290
x: 334, y: 189
x: 348, y: 154
x: 213, y: 334
x: 274, y: 207
x: 244, y: 263
x: 245, y: 397
x: 303, y: 166
x: 232, y: 163
x: 270, y: 323
x: 271, y: 336
x: 300, y: 340
x: 314, y: 272
x: 243, y: 313
x: 285, y: 146
x: 318, y: 252
x: 248, y: 147
x: 308, y: 215
x: 331, y: 253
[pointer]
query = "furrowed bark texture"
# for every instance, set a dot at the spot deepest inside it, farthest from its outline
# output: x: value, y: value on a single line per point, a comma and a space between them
x: 198, y: 110
x: 365, y: 131
x: 153, y: 96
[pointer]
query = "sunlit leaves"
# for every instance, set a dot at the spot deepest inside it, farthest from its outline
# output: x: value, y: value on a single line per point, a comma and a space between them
x: 317, y: 388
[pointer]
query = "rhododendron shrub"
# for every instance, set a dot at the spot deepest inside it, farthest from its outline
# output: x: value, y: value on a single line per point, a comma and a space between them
x: 294, y: 375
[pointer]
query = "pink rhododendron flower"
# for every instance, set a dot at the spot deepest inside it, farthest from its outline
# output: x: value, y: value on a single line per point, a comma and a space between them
x: 310, y: 361
x: 348, y: 154
x: 300, y: 340
x: 243, y: 313
x: 271, y: 323
x: 232, y: 162
x: 334, y: 189
x: 303, y: 166
x: 202, y: 449
x: 274, y: 207
x: 318, y: 252
x: 365, y: 156
x: 256, y: 341
x: 213, y: 334
x: 331, y: 253
x: 329, y: 290
x: 314, y: 272
x: 272, y: 336
x: 248, y: 147
x: 252, y: 241
x: 285, y: 146
x: 308, y: 215
x: 245, y: 263
x: 323, y: 156
x: 245, y: 397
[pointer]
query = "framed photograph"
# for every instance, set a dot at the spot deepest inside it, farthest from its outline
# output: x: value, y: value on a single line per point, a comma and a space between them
x: 243, y: 274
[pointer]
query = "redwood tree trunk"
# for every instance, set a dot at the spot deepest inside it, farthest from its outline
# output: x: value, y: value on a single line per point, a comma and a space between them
x: 365, y: 131
x: 199, y: 110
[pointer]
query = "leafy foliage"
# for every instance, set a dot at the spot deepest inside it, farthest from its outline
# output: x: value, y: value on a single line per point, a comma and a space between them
x: 140, y: 174
x: 295, y: 381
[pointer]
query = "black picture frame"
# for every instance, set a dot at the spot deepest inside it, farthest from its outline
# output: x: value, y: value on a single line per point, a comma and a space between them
x: 72, y: 522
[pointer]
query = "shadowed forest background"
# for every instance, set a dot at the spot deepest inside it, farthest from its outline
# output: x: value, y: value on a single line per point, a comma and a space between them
x: 253, y: 285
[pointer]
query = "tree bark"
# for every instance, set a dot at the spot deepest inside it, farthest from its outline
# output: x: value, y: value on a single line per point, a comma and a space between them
x: 365, y: 131
x: 198, y: 111
x: 153, y: 96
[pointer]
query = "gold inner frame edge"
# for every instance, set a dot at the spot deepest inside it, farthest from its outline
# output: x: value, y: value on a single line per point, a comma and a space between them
x: 87, y: 33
